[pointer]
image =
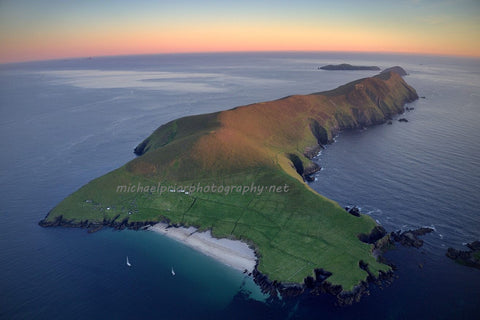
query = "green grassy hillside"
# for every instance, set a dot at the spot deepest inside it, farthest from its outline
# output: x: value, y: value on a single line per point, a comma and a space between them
x: 264, y: 144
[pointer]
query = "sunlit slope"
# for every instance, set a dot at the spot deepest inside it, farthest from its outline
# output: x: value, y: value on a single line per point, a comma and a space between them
x: 265, y: 144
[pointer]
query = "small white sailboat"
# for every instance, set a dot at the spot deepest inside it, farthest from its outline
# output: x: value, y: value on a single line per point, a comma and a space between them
x: 128, y: 263
x: 173, y: 272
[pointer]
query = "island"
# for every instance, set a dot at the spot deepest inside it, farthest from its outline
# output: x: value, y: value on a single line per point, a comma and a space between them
x: 349, y: 67
x: 240, y: 175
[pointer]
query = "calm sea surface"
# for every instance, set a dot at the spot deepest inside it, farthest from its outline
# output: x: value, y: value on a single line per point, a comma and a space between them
x: 64, y: 123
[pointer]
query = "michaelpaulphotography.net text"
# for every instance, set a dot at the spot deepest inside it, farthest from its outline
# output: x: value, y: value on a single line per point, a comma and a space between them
x: 203, y: 188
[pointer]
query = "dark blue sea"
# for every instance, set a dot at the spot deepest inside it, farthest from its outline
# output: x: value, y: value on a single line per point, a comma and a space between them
x: 66, y: 122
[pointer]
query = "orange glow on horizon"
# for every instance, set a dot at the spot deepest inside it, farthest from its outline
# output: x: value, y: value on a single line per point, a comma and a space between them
x: 228, y: 38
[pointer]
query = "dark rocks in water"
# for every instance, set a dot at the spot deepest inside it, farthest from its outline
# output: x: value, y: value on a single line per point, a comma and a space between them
x: 389, y: 122
x: 264, y: 283
x: 410, y: 238
x: 309, y: 282
x: 353, y: 211
x: 423, y: 97
x: 396, y: 69
x: 470, y: 258
x: 402, y: 120
x: 382, y: 245
x: 376, y: 234
x: 291, y: 290
x: 475, y: 245
x: 409, y: 108
x: 346, y: 66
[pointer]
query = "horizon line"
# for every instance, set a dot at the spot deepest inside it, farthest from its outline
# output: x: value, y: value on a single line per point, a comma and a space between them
x: 406, y: 53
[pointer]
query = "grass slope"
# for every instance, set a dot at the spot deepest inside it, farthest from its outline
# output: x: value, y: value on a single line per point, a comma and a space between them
x: 293, y: 232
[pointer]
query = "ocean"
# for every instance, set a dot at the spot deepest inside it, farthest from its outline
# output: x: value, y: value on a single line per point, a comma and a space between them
x: 66, y: 122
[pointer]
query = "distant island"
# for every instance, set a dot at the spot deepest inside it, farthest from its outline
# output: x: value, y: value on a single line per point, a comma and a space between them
x: 346, y: 66
x: 240, y: 174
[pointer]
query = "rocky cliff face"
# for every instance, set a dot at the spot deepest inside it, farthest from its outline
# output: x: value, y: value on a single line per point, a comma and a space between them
x: 358, y: 104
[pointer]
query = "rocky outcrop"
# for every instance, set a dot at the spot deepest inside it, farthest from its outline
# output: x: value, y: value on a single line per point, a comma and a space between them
x: 348, y: 67
x: 402, y: 120
x: 354, y: 211
x: 312, y: 151
x: 410, y: 238
x: 376, y: 234
x: 310, y: 171
x: 470, y: 258
x: 383, y: 240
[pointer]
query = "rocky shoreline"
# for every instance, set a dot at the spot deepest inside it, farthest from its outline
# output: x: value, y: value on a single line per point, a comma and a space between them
x: 315, y: 285
x: 308, y: 170
x: 318, y: 284
x: 95, y: 226
x: 469, y: 258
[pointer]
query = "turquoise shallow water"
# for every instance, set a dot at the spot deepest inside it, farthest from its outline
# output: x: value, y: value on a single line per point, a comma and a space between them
x: 63, y: 123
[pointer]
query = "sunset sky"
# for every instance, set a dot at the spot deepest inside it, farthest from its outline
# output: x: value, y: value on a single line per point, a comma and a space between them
x: 49, y: 29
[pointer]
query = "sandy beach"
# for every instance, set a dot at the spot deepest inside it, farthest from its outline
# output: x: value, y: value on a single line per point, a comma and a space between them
x: 235, y: 254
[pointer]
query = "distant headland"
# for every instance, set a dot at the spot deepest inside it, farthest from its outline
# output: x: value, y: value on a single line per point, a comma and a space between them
x: 346, y: 66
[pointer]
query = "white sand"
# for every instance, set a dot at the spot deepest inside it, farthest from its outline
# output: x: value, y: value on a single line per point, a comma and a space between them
x: 235, y: 254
